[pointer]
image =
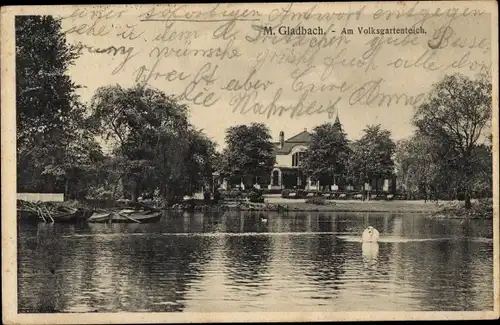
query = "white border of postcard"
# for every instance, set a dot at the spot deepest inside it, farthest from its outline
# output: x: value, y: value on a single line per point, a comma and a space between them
x: 9, y: 243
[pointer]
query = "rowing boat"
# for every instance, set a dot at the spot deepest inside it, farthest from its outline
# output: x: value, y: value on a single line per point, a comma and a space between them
x: 75, y: 215
x: 60, y: 215
x: 126, y: 216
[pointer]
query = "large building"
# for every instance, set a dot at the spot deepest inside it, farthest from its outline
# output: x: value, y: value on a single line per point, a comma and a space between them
x: 286, y: 173
x: 289, y: 152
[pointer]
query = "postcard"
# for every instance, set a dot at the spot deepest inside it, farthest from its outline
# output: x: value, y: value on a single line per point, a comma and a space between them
x: 267, y: 162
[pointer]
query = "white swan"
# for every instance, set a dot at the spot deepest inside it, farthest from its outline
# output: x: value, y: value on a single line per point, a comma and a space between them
x: 370, y: 235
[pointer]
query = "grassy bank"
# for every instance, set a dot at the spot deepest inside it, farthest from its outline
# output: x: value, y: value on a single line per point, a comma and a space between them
x: 480, y: 209
x: 442, y: 209
x: 291, y: 206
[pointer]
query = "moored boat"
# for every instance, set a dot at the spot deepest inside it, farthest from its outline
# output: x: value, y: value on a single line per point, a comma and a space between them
x: 29, y: 216
x: 100, y: 217
x: 73, y: 215
x: 126, y: 216
x: 37, y: 212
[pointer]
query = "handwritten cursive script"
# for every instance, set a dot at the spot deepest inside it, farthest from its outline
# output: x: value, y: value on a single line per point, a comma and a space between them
x: 264, y: 60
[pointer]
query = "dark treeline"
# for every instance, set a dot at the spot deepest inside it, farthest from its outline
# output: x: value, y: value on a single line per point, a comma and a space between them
x: 156, y: 152
x: 154, y: 149
x: 450, y: 154
x: 449, y: 157
x: 330, y: 158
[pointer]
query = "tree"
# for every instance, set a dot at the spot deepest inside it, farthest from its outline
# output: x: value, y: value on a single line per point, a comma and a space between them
x: 45, y: 96
x: 482, y: 183
x: 327, y: 154
x: 200, y: 161
x: 158, y: 148
x: 371, y: 157
x: 249, y: 152
x: 455, y: 116
x: 422, y: 169
x: 52, y: 134
x: 149, y: 131
x: 415, y: 165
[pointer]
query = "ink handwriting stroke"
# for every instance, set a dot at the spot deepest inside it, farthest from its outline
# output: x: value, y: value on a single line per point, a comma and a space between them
x: 283, y: 60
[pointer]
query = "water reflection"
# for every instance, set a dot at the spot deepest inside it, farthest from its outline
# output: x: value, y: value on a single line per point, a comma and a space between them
x: 370, y: 252
x: 236, y: 262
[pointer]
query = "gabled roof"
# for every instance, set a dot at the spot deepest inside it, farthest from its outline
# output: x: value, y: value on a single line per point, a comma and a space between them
x: 303, y: 137
x: 287, y: 148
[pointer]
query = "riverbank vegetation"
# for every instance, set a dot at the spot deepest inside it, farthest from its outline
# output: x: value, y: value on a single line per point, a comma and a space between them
x: 479, y: 209
x: 323, y: 206
x: 138, y: 144
x: 152, y: 149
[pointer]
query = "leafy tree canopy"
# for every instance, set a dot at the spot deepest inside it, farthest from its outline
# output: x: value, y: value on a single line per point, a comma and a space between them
x: 372, y: 155
x: 249, y: 151
x: 455, y: 116
x: 152, y: 135
x: 53, y: 138
x: 328, y: 153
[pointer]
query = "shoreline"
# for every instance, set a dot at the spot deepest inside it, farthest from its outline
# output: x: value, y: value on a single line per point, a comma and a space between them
x: 441, y: 210
x: 482, y: 209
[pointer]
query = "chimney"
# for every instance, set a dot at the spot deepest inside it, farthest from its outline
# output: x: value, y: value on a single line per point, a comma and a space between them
x: 305, y: 129
x: 282, y: 139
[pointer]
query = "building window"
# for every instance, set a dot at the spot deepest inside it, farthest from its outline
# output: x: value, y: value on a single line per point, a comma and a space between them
x: 296, y: 158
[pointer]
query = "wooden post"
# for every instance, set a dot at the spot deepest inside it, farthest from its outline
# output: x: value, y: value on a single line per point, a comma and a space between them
x: 130, y: 218
x: 40, y: 213
x: 48, y: 214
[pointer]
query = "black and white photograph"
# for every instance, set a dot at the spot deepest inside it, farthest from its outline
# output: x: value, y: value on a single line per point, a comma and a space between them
x: 250, y: 162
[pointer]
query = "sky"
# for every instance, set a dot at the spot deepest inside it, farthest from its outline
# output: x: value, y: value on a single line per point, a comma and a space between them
x: 351, y: 74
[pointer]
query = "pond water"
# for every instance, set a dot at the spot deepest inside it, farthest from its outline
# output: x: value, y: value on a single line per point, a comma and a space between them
x: 235, y: 262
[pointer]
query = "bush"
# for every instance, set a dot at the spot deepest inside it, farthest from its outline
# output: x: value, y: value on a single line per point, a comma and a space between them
x: 301, y: 194
x: 233, y: 194
x: 481, y: 209
x: 217, y: 196
x: 256, y: 196
x: 100, y: 193
x: 484, y: 207
x: 316, y: 200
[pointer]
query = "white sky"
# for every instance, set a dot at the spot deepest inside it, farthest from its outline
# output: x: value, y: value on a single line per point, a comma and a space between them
x: 470, y: 38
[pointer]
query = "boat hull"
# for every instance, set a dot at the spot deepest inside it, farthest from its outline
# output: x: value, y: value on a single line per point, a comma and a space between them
x: 126, y: 217
x: 27, y: 216
x: 73, y: 217
x: 70, y: 216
